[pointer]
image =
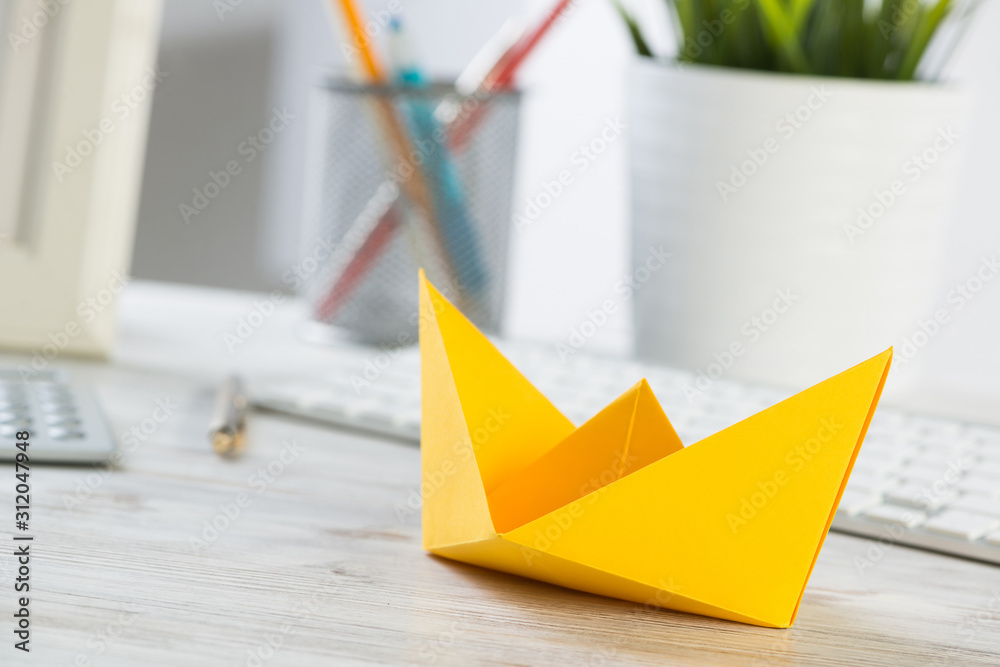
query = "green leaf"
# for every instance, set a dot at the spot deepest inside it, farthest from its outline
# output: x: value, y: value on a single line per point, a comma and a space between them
x: 885, y: 40
x: 800, y: 12
x: 641, y: 47
x: 925, y: 29
x: 779, y: 27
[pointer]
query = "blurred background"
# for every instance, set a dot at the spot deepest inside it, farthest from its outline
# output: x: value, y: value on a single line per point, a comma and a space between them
x: 228, y: 70
x: 615, y: 157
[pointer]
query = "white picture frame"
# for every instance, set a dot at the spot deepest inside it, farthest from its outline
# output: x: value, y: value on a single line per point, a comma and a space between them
x: 76, y: 78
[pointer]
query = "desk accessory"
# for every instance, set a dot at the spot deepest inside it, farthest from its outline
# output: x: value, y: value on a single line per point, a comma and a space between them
x: 370, y: 256
x: 492, y: 70
x: 397, y: 148
x: 768, y: 153
x: 730, y: 526
x: 71, y: 167
x: 459, y: 232
x: 63, y: 417
x: 227, y: 431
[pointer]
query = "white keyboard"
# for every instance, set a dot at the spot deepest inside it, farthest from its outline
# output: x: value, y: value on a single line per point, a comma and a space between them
x: 927, y: 483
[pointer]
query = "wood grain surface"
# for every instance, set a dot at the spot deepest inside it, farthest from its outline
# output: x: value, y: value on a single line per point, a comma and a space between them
x: 316, y: 559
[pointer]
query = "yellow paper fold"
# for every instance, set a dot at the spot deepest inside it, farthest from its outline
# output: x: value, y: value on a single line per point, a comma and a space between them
x: 730, y: 526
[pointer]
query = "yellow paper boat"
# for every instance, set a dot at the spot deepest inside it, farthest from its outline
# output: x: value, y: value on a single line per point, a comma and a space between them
x: 730, y: 526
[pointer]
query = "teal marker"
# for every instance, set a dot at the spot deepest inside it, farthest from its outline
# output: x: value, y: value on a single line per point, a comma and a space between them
x: 460, y: 233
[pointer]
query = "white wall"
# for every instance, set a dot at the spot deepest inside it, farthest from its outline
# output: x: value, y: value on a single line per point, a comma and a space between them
x: 962, y: 364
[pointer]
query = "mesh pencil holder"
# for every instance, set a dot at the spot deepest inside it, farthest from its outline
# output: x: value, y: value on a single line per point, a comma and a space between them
x: 401, y: 178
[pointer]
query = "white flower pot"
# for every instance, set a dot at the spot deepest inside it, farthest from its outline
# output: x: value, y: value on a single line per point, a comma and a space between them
x: 756, y: 183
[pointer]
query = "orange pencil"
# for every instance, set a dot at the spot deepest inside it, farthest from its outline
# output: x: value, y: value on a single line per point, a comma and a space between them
x: 373, y: 69
x: 415, y: 185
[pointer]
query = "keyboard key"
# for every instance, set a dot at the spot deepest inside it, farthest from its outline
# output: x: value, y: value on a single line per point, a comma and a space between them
x: 922, y: 476
x: 963, y: 525
x: 59, y: 433
x: 371, y: 411
x: 980, y: 486
x: 862, y: 480
x: 879, y: 462
x: 984, y: 435
x: 949, y: 472
x: 994, y: 538
x: 57, y: 408
x: 408, y: 420
x: 855, y: 502
x: 13, y: 416
x: 328, y: 401
x: 898, y: 515
x: 960, y: 456
x: 62, y: 419
x: 978, y: 505
x: 989, y: 469
x: 918, y: 495
x: 936, y: 427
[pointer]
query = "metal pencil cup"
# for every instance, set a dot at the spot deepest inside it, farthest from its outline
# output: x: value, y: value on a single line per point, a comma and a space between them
x: 393, y: 187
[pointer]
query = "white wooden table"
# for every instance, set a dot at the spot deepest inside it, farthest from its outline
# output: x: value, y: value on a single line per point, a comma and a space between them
x: 322, y: 560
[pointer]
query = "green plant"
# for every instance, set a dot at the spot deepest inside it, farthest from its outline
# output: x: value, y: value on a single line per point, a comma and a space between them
x: 878, y: 39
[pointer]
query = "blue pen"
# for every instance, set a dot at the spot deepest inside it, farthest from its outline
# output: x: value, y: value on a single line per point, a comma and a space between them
x: 460, y: 234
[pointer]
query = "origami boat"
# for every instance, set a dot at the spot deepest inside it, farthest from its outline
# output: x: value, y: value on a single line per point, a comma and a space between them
x: 729, y: 526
